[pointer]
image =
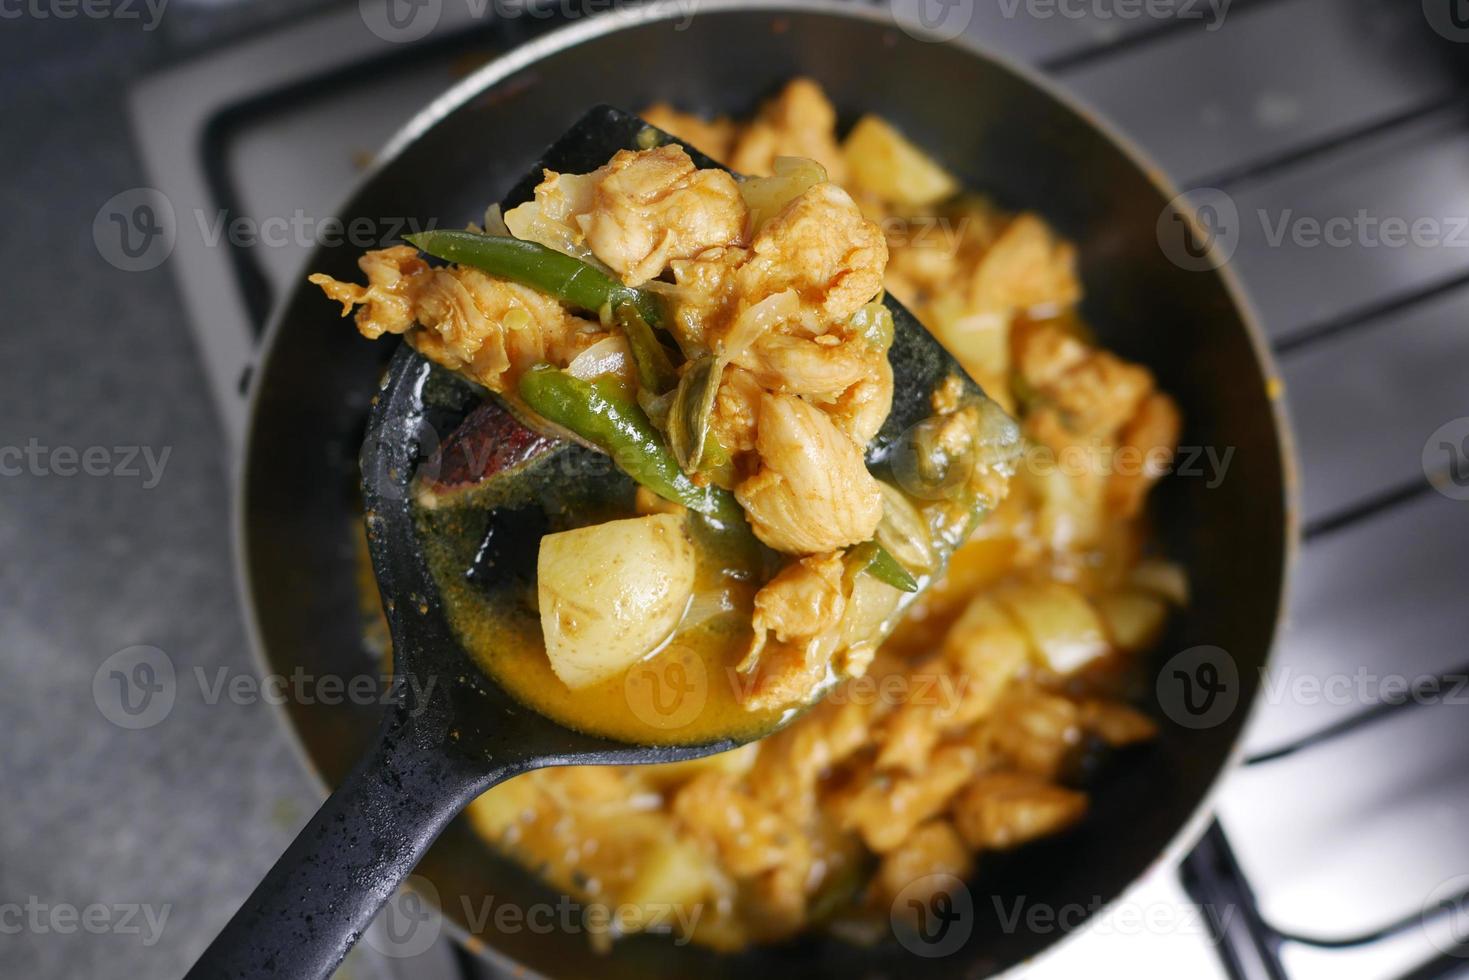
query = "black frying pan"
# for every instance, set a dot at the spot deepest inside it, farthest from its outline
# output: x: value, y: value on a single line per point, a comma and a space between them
x: 1002, y: 131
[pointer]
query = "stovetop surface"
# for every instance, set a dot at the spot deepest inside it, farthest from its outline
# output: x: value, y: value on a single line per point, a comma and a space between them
x: 1348, y: 823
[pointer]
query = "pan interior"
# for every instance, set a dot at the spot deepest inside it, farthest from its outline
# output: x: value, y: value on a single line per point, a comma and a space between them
x: 1002, y: 135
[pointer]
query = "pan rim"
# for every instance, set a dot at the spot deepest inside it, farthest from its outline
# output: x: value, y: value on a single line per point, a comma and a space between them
x: 556, y: 41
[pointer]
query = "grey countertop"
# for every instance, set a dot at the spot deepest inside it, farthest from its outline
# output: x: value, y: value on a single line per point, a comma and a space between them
x: 102, y: 826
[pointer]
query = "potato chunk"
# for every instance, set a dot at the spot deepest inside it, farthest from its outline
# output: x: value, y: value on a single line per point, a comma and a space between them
x: 883, y: 161
x: 612, y: 592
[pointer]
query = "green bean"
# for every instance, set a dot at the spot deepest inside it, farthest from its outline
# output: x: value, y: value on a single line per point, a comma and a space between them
x: 554, y: 273
x: 655, y: 371
x: 601, y: 412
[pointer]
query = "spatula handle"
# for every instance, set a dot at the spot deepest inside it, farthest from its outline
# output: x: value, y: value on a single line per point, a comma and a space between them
x: 367, y: 837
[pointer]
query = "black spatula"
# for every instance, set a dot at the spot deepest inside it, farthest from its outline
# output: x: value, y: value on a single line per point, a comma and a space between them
x: 452, y: 734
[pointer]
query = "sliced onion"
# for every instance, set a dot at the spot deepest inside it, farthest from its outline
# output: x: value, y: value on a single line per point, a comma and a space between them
x: 610, y: 355
x: 495, y: 222
x: 711, y: 604
x: 550, y: 219
x: 758, y: 320
x: 903, y: 531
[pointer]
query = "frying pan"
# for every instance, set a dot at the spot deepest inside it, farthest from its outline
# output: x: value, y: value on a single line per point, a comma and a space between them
x: 1000, y: 129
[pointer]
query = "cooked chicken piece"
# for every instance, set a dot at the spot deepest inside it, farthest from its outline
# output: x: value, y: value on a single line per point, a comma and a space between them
x: 484, y: 328
x: 590, y: 785
x: 913, y: 869
x: 1101, y: 393
x: 736, y: 410
x: 863, y: 408
x: 1006, y: 809
x: 1116, y: 723
x: 791, y: 761
x: 813, y: 493
x: 802, y: 605
x: 799, y: 122
x: 750, y: 838
x: 784, y: 675
x: 647, y: 208
x: 931, y: 266
x: 982, y: 653
x: 908, y: 734
x: 778, y: 902
x: 1027, y: 268
x: 948, y: 397
x: 821, y: 369
x: 1150, y: 436
x: 712, y: 137
x: 1035, y: 732
x: 811, y: 266
x: 703, y: 297
x: 1110, y: 434
x: 1043, y: 352
x: 885, y: 810
x: 821, y: 246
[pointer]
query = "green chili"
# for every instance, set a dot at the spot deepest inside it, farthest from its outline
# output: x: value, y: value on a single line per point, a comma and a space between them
x: 554, y: 273
x: 877, y: 561
x: 655, y: 371
x: 601, y: 412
